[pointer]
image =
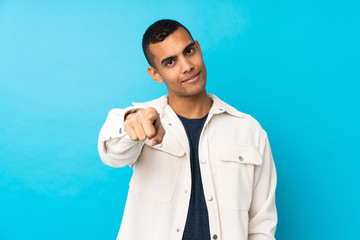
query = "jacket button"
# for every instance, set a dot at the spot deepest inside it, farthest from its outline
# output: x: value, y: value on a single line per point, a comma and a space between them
x: 178, y: 230
x: 203, y: 161
x: 215, y: 236
x: 241, y: 158
x: 210, y: 198
x: 169, y: 124
x: 120, y: 130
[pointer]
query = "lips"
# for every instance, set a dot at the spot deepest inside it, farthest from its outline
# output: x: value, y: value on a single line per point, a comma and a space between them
x: 193, y: 78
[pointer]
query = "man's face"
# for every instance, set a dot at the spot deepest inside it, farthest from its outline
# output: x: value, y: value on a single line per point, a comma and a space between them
x: 179, y: 63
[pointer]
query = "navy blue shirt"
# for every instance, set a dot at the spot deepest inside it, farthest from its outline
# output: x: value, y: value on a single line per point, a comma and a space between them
x: 197, y: 222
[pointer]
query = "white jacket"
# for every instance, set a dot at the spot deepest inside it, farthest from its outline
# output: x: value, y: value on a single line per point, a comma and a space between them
x: 237, y: 171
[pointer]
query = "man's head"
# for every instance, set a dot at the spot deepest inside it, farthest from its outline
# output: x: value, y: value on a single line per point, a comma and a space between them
x: 156, y: 33
x: 174, y: 58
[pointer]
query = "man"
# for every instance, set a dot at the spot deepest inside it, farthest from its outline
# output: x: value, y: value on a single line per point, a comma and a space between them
x: 201, y: 169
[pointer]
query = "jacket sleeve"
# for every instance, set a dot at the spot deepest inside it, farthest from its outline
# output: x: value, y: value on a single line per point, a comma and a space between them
x: 263, y: 213
x: 115, y: 147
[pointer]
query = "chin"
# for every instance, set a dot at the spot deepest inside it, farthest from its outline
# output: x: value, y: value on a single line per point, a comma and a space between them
x: 196, y: 92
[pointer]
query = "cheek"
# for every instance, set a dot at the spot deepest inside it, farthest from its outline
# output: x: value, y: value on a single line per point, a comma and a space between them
x: 200, y: 62
x: 170, y: 82
x: 172, y: 77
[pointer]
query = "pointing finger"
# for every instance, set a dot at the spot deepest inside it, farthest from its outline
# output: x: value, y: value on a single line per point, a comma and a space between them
x: 159, y: 136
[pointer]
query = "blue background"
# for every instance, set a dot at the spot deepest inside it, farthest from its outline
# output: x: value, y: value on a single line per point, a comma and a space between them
x: 294, y: 66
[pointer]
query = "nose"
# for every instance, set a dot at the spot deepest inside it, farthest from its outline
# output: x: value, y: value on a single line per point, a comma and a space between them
x: 187, y: 66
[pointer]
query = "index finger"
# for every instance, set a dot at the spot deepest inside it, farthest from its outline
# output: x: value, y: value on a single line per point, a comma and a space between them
x: 148, y: 126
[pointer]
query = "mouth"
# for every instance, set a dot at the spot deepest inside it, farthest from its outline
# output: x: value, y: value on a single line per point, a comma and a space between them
x: 193, y: 78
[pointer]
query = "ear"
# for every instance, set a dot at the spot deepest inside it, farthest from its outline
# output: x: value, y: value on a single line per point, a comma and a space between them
x: 155, y: 74
x: 198, y: 46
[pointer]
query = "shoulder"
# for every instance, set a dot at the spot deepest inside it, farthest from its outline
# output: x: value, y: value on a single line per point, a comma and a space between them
x: 243, y: 119
x: 157, y: 103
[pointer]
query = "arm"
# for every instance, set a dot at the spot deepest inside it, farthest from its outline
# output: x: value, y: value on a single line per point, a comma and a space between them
x: 262, y: 213
x: 115, y: 147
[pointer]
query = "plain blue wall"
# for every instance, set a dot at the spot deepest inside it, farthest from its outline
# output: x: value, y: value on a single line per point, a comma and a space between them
x: 294, y: 66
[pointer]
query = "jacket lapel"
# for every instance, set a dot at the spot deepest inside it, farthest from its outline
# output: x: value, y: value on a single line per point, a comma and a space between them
x: 173, y: 125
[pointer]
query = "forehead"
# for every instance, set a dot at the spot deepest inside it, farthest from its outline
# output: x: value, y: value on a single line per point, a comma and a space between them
x: 173, y: 45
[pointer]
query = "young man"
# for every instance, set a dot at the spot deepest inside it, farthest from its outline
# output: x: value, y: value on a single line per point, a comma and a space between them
x: 201, y: 169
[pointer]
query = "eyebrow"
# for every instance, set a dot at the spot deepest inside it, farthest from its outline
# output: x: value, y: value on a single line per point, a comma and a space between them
x: 173, y: 57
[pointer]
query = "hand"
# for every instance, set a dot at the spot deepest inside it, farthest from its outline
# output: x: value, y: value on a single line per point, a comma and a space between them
x: 144, y: 123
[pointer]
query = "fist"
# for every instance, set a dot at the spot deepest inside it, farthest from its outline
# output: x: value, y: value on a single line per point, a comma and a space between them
x: 144, y: 123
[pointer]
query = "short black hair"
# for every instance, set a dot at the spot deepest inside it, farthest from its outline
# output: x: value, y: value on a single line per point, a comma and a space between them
x: 158, y: 32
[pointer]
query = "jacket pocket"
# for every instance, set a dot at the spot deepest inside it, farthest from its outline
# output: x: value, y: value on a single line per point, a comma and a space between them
x: 156, y: 170
x: 235, y: 175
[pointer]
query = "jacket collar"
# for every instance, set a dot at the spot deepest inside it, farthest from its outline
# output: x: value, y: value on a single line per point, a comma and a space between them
x: 218, y: 106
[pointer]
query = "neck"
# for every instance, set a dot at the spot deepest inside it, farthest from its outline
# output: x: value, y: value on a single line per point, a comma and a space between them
x: 191, y: 107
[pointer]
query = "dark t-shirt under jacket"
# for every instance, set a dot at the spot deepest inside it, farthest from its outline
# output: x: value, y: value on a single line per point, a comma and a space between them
x: 197, y: 222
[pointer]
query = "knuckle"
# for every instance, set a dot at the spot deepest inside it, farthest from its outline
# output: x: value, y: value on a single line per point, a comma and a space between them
x: 127, y: 130
x: 142, y: 115
x: 152, y: 134
x: 137, y: 125
x: 129, y: 122
x: 137, y: 118
x: 151, y: 109
x: 144, y: 111
x: 134, y: 116
x: 142, y: 136
x: 127, y: 125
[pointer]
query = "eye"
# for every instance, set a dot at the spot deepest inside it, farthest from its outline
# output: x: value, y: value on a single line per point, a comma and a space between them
x: 189, y: 51
x: 170, y: 63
